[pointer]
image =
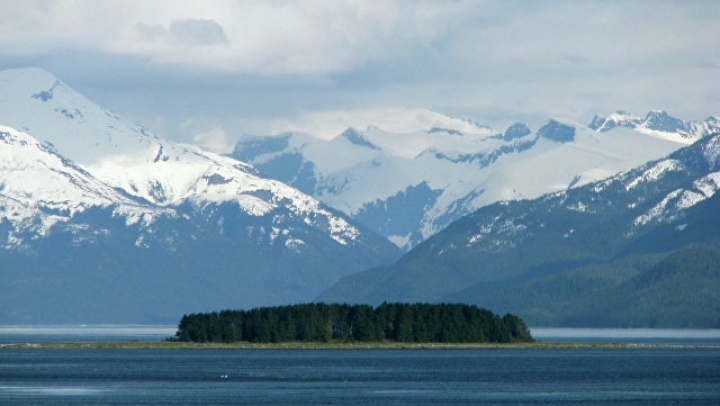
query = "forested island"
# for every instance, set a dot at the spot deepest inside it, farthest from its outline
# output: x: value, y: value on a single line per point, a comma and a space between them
x: 320, y: 322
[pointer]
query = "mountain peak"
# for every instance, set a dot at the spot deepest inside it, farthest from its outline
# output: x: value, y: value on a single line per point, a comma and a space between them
x: 595, y: 241
x: 35, y: 77
x: 658, y: 123
x: 41, y: 188
x: 556, y: 131
x: 620, y: 118
x: 85, y: 195
x: 517, y: 130
x: 356, y: 138
x: 660, y: 120
x: 35, y: 101
x: 162, y: 172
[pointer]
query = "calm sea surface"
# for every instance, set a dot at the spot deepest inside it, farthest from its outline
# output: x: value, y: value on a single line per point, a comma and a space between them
x: 586, y: 376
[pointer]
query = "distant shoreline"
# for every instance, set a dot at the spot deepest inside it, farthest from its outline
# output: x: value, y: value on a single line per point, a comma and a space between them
x: 344, y: 346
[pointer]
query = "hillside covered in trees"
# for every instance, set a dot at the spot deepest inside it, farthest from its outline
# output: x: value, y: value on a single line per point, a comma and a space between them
x: 319, y: 322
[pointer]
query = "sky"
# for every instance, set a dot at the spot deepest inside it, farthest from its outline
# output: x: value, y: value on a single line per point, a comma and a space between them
x: 208, y: 72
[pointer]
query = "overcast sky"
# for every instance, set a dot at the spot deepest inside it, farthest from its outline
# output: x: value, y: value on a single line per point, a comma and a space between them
x: 209, y: 71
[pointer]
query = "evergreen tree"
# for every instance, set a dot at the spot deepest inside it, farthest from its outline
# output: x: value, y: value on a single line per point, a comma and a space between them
x: 401, y: 322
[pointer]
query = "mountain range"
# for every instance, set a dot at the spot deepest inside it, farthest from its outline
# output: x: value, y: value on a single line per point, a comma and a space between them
x: 103, y: 222
x: 638, y: 249
x: 407, y: 186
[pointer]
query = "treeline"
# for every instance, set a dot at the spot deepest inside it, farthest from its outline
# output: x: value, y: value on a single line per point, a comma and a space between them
x: 319, y: 322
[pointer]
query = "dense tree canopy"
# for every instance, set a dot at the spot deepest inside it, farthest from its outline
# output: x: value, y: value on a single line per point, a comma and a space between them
x: 319, y: 322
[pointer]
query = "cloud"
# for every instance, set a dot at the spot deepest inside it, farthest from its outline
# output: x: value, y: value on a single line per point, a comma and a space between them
x: 215, y: 140
x: 151, y: 32
x: 183, y: 33
x: 197, y: 32
x: 326, y: 64
x: 411, y: 39
x: 248, y: 37
x: 328, y: 124
x: 34, y: 27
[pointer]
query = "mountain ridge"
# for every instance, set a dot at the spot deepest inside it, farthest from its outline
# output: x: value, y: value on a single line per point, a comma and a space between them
x: 41, y: 188
x: 104, y: 222
x: 460, y: 170
x: 128, y: 157
x: 494, y: 256
x: 124, y: 226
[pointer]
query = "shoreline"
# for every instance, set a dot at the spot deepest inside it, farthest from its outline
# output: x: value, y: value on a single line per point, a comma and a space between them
x: 342, y: 346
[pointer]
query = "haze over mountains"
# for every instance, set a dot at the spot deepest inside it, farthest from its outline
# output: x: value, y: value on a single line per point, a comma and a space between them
x: 102, y: 222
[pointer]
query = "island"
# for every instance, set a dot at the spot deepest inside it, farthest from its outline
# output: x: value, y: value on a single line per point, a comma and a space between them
x: 344, y: 323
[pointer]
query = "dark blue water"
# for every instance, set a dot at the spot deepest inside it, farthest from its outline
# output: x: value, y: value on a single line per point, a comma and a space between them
x: 639, y: 376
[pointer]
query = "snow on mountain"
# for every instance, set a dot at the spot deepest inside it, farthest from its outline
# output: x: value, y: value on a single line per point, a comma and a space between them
x: 660, y: 124
x: 34, y: 101
x: 597, y: 248
x: 672, y: 206
x: 39, y: 188
x: 128, y: 157
x: 646, y: 195
x: 404, y: 179
x: 408, y: 186
x: 175, y: 174
x: 95, y: 210
x: 618, y: 119
x: 660, y: 192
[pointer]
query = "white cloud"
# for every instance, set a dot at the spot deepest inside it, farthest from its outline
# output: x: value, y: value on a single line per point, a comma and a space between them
x: 320, y: 37
x: 183, y: 33
x: 215, y: 140
x: 328, y: 124
x: 197, y: 32
x: 271, y: 37
x: 327, y: 65
x: 31, y: 27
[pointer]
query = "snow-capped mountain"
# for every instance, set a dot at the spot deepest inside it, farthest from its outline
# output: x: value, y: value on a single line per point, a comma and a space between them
x: 658, y: 123
x: 128, y: 157
x: 408, y: 186
x: 83, y: 190
x: 640, y: 248
x: 40, y: 188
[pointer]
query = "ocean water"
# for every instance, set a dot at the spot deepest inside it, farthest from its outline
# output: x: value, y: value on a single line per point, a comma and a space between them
x: 704, y: 337
x: 93, y: 333
x: 585, y: 376
x: 685, y: 373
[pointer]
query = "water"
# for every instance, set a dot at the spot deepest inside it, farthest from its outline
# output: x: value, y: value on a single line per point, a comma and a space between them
x: 76, y: 333
x: 638, y: 376
x: 595, y: 376
x: 705, y: 337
